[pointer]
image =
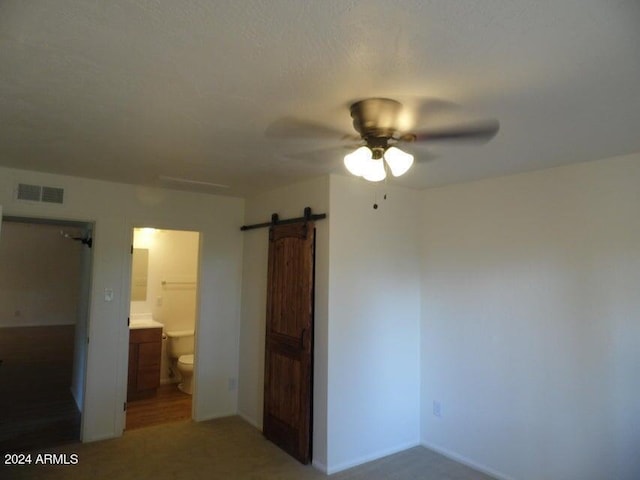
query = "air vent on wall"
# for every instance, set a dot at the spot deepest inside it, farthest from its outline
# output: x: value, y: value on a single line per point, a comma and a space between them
x: 37, y: 193
x: 52, y: 194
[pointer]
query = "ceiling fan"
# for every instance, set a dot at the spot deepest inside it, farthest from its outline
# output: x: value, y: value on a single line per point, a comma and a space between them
x: 377, y: 122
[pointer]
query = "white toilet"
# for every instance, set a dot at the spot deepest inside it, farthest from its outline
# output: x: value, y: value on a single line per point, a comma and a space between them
x: 180, y: 348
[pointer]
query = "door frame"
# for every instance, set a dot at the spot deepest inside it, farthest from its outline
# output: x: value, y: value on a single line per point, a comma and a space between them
x: 123, y: 356
x: 86, y: 317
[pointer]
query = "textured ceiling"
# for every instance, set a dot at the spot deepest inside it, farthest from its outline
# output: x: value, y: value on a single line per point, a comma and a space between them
x: 135, y: 91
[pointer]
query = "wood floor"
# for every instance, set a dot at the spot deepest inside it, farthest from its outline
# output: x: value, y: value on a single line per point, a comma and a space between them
x: 37, y: 408
x: 169, y: 405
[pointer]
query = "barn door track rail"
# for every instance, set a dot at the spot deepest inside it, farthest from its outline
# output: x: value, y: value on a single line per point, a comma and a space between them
x: 275, y: 220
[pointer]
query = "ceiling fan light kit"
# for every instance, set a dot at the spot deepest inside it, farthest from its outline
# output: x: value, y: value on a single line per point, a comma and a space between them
x: 363, y: 162
x: 375, y: 120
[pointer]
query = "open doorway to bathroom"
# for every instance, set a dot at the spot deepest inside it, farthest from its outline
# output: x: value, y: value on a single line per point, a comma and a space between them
x: 162, y: 326
x: 45, y: 278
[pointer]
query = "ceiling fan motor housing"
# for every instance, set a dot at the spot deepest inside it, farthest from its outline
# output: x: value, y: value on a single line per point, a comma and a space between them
x: 376, y: 120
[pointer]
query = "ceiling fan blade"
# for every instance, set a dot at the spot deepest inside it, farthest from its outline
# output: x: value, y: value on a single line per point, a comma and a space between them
x: 430, y: 106
x: 475, y: 132
x: 290, y: 127
x: 420, y: 154
x: 322, y: 154
x: 419, y: 111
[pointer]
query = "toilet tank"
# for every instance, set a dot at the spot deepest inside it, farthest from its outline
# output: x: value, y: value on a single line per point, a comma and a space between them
x: 180, y: 342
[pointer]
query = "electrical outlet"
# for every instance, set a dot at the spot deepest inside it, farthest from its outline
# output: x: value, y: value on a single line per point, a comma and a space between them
x: 437, y: 409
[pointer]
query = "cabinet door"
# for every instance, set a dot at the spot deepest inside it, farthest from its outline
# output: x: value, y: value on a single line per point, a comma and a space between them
x: 149, y: 365
x: 133, y: 367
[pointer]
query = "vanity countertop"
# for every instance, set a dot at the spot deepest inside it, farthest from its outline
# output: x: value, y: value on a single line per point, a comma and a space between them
x: 135, y: 324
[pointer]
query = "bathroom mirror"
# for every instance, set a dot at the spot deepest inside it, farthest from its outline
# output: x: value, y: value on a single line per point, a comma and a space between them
x: 139, y: 267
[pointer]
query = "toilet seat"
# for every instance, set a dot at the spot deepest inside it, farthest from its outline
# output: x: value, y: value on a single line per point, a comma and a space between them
x: 186, y: 359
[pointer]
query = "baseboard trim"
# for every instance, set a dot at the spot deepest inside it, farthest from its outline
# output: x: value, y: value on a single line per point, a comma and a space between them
x: 99, y: 438
x: 467, y: 461
x: 75, y: 399
x: 250, y: 420
x: 369, y: 458
x: 214, y: 416
x: 319, y: 466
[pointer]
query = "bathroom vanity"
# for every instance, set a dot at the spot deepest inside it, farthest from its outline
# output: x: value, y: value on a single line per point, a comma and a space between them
x: 145, y: 350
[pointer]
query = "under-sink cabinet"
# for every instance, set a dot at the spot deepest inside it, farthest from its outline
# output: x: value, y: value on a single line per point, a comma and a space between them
x: 145, y: 350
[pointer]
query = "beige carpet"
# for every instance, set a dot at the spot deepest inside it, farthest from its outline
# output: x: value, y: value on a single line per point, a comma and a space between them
x: 227, y: 448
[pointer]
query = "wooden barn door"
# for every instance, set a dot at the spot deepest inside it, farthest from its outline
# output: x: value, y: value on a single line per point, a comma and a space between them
x: 289, y: 339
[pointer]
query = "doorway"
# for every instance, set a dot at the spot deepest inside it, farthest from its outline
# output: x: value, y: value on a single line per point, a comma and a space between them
x: 162, y: 326
x: 45, y: 276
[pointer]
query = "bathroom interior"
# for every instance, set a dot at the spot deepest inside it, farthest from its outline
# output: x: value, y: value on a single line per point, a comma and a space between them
x: 162, y: 326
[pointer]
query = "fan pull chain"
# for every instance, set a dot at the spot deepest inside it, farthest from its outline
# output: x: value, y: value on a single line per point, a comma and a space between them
x: 375, y: 197
x: 385, y: 186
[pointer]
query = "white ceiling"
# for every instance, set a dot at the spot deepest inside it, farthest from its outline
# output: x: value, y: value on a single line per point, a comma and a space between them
x: 132, y: 91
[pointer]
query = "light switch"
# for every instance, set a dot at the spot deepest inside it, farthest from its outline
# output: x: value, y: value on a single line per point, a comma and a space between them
x: 108, y: 294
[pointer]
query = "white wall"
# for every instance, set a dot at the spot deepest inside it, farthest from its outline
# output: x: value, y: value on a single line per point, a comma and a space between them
x: 374, y: 317
x: 288, y: 202
x: 116, y: 209
x: 173, y: 257
x: 39, y: 275
x: 530, y: 322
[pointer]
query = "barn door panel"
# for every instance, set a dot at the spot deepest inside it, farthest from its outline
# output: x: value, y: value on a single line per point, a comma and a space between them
x: 289, y: 339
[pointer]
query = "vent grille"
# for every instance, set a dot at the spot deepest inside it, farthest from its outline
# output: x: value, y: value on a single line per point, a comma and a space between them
x: 37, y: 193
x: 29, y: 192
x: 52, y: 194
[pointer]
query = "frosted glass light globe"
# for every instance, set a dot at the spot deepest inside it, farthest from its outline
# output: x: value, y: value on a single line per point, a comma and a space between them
x: 374, y: 170
x: 356, y: 161
x: 399, y: 162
